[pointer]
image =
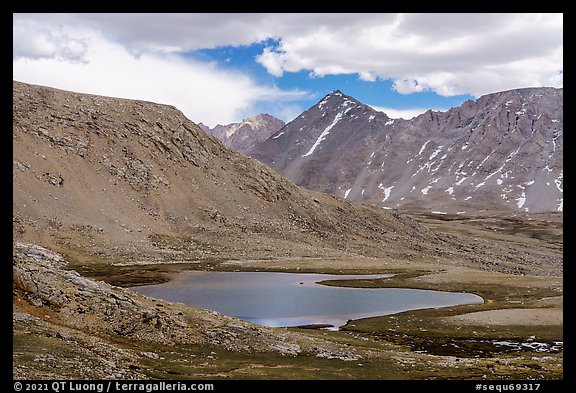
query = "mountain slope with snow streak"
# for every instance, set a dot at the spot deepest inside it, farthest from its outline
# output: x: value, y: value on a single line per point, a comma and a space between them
x: 503, y: 151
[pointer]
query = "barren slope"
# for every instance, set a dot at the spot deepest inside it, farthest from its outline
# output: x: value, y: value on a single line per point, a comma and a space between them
x: 135, y: 180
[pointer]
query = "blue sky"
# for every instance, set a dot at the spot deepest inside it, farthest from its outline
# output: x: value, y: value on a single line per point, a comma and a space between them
x: 379, y: 93
x: 220, y: 68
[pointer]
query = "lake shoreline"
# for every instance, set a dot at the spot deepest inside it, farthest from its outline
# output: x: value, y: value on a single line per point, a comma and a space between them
x: 411, y: 345
x: 283, y: 299
x: 513, y: 293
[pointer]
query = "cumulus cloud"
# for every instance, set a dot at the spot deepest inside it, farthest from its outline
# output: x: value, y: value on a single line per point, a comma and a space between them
x: 202, y: 91
x: 37, y: 42
x: 138, y: 55
x: 165, y: 32
x: 446, y: 53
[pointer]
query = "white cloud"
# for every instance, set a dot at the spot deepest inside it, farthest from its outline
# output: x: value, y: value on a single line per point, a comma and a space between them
x: 35, y: 42
x: 449, y: 54
x: 202, y: 91
x: 271, y: 61
x: 136, y: 55
x: 164, y: 32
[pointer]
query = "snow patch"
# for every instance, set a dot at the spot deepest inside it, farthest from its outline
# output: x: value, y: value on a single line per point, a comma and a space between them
x: 278, y: 136
x: 461, y: 181
x: 559, y: 181
x: 391, y: 121
x: 483, y: 161
x: 438, y: 212
x: 521, y: 201
x: 435, y: 152
x: 499, y: 182
x: 324, y: 134
x: 423, y: 147
x: 425, y: 190
x: 347, y: 192
x: 387, y: 191
x: 503, y: 165
x: 371, y: 117
x: 450, y: 190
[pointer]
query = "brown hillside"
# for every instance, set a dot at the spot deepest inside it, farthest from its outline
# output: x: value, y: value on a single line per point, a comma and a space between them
x: 132, y: 179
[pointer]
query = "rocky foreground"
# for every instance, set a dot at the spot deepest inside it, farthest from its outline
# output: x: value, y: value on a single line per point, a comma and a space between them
x: 66, y: 326
x: 89, y: 317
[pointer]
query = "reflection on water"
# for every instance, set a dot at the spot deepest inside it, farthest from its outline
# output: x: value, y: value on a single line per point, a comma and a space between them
x: 294, y: 299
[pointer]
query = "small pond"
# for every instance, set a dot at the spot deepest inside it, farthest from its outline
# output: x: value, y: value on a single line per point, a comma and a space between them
x: 295, y: 299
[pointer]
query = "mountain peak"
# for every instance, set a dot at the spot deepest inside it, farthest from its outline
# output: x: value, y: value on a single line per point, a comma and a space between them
x: 337, y: 98
x: 337, y: 94
x: 244, y: 135
x: 471, y: 158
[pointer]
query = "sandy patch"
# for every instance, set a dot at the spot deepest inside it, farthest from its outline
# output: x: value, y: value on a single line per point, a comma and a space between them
x: 513, y: 316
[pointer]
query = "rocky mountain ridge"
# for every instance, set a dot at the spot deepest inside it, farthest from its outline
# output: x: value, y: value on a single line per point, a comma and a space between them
x: 502, y: 152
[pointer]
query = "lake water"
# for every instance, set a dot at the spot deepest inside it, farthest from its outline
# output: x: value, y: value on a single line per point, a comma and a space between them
x: 294, y: 299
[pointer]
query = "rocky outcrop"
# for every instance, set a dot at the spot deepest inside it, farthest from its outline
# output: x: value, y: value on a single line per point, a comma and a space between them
x: 97, y: 308
x: 90, y: 318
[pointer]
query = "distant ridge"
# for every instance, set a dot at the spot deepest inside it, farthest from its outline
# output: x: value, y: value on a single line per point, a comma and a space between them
x: 246, y: 134
x: 502, y: 152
